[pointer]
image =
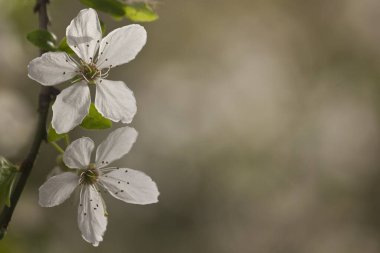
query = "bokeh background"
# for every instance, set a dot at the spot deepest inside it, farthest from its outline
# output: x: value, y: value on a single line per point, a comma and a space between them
x: 258, y: 119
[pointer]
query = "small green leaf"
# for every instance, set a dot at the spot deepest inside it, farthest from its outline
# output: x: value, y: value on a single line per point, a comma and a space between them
x: 113, y: 7
x: 64, y: 47
x: 8, y: 173
x: 42, y: 39
x: 94, y: 120
x: 140, y: 12
x: 53, y: 136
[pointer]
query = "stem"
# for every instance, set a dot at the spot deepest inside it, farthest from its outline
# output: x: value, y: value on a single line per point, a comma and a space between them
x: 45, y: 97
x: 67, y: 139
x: 57, y: 147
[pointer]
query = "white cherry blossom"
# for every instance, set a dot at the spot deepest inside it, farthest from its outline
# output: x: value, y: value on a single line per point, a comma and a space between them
x: 95, y: 57
x: 126, y: 184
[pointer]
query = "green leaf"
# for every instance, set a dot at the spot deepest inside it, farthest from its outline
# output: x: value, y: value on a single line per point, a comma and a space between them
x: 64, y: 47
x: 140, y: 12
x: 8, y: 173
x: 94, y: 120
x: 42, y: 39
x: 53, y: 136
x: 113, y: 7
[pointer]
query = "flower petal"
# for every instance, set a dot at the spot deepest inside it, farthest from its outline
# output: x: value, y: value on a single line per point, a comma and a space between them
x: 84, y: 34
x: 52, y: 68
x: 57, y: 189
x: 130, y: 186
x: 92, y: 220
x: 71, y: 107
x: 78, y: 154
x: 115, y: 101
x: 121, y: 46
x: 117, y: 144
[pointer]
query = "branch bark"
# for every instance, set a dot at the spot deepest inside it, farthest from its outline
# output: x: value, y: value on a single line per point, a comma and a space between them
x: 45, y: 97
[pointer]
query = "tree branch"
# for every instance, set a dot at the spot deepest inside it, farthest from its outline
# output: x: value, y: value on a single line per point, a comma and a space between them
x: 45, y: 97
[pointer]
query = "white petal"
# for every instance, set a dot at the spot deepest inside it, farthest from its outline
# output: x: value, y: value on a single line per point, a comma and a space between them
x: 130, y: 186
x: 57, y: 189
x: 71, y: 107
x: 52, y: 68
x: 92, y: 220
x: 115, y: 101
x: 78, y: 154
x: 121, y: 46
x: 117, y: 144
x: 84, y: 34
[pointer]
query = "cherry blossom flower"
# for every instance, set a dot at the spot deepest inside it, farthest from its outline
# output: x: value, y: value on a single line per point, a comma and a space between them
x: 128, y: 185
x: 96, y: 56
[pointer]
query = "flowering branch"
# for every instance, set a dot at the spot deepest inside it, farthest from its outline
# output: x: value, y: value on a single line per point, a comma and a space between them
x: 85, y: 58
x: 45, y: 97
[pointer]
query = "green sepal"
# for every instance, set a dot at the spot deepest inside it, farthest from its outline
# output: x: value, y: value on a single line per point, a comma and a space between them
x: 42, y: 39
x: 53, y: 136
x: 94, y: 120
x: 140, y: 12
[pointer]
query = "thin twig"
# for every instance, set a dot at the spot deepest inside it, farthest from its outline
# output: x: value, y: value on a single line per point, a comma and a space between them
x: 45, y: 97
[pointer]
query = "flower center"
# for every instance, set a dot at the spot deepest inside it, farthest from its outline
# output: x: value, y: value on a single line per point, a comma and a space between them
x: 89, y: 72
x: 89, y: 175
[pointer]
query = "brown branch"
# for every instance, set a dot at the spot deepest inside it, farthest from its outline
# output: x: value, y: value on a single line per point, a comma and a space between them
x: 45, y: 97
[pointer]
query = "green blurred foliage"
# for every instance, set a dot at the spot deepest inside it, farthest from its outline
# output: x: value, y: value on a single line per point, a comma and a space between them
x: 140, y: 12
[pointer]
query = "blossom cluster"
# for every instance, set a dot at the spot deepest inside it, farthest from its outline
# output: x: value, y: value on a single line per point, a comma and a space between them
x: 90, y: 66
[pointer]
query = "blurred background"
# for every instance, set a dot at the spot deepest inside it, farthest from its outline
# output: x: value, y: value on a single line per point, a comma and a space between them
x: 258, y: 119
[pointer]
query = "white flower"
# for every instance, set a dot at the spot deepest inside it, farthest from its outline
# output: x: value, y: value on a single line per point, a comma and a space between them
x: 128, y: 185
x: 113, y: 99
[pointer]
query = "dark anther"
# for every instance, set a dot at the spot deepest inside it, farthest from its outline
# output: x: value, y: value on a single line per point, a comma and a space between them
x: 85, y: 213
x: 106, y: 43
x: 94, y: 208
x: 127, y: 182
x: 80, y: 205
x: 106, y: 59
x: 88, y: 45
x: 64, y: 72
x: 118, y: 182
x: 126, y: 171
x: 122, y: 191
x: 97, y: 41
